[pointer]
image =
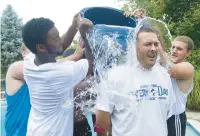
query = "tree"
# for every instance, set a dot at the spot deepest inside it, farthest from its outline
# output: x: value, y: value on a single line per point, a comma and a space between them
x: 188, y: 24
x: 194, y: 97
x: 11, y: 27
x: 181, y: 16
x: 154, y: 8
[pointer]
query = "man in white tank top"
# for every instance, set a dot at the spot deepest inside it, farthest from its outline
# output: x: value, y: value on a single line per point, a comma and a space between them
x: 182, y: 74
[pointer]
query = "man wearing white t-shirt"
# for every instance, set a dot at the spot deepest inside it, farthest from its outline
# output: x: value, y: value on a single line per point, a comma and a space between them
x: 143, y: 106
x: 50, y: 82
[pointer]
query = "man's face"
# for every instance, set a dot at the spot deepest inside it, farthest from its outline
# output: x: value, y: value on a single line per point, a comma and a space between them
x: 54, y: 43
x: 179, y: 51
x: 147, y: 49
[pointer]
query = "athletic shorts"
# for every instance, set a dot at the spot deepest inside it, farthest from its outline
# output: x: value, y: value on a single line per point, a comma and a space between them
x: 82, y: 128
x: 177, y: 125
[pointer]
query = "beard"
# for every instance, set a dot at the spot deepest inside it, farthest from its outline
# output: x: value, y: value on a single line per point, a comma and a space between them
x: 55, y: 52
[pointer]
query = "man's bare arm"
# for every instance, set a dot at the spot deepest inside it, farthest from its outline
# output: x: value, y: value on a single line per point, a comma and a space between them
x: 103, y: 120
x: 84, y: 26
x: 69, y: 36
x: 82, y: 87
x: 182, y: 71
x: 71, y: 32
x: 74, y: 57
x: 14, y: 77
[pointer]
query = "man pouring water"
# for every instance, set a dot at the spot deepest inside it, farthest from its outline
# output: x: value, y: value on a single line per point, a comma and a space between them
x: 51, y: 82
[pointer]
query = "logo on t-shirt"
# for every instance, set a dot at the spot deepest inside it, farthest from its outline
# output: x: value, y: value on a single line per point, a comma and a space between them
x: 151, y: 92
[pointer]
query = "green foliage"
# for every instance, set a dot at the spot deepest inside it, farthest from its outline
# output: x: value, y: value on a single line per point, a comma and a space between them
x: 176, y: 9
x: 73, y: 45
x: 129, y: 5
x: 154, y: 8
x: 194, y: 58
x: 181, y: 16
x: 194, y: 97
x: 11, y: 40
x: 188, y: 25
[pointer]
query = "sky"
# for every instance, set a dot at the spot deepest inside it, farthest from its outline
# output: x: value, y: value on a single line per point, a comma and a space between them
x: 60, y: 11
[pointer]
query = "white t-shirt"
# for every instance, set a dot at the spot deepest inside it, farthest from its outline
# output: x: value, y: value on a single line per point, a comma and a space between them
x: 51, y: 95
x: 142, y: 109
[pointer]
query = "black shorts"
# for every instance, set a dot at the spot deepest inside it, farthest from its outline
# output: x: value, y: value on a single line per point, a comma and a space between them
x: 82, y: 128
x: 177, y: 125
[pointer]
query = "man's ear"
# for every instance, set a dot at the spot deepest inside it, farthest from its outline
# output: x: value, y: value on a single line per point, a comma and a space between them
x: 189, y: 53
x: 41, y: 48
x: 23, y: 53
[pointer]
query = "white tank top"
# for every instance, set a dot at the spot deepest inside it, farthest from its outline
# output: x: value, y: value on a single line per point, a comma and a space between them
x: 181, y: 98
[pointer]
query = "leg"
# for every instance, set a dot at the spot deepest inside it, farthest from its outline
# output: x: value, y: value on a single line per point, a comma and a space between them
x: 82, y: 128
x: 177, y: 125
x: 183, y: 120
x: 171, y: 126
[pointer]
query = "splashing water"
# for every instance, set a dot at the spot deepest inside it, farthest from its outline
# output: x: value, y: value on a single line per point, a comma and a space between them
x: 109, y: 46
x: 164, y: 36
x: 115, y: 59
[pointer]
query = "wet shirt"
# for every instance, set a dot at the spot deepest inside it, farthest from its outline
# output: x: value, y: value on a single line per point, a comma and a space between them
x: 142, y: 106
x: 51, y: 95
